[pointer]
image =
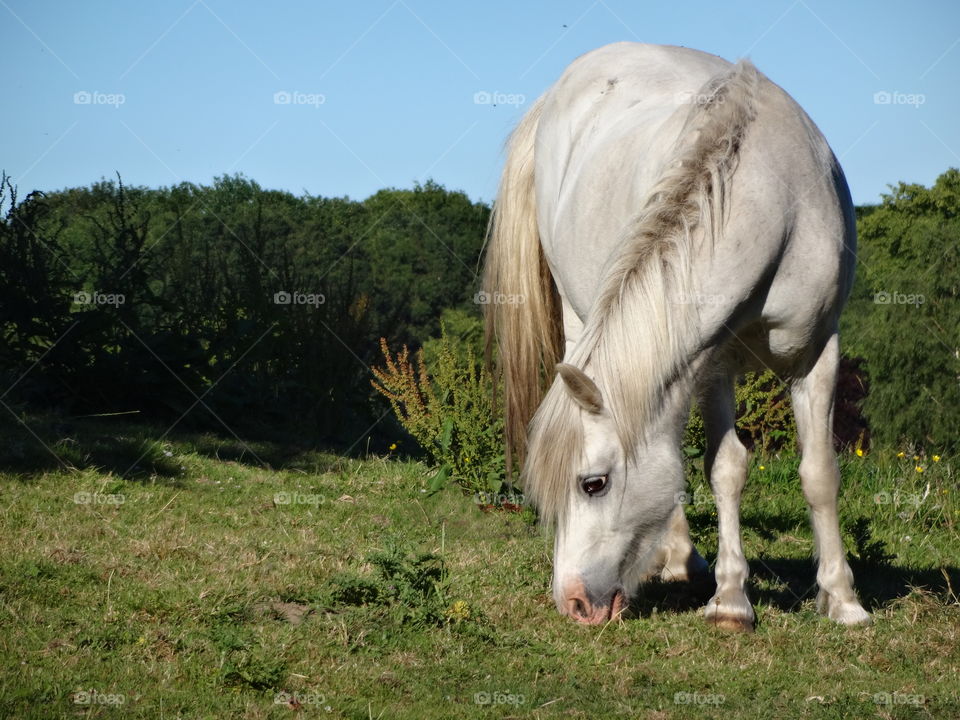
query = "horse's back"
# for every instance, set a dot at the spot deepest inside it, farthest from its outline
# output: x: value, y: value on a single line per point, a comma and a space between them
x: 608, y: 127
x: 605, y: 128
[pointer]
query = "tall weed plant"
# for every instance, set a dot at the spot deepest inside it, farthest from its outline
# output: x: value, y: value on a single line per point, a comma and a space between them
x: 444, y: 397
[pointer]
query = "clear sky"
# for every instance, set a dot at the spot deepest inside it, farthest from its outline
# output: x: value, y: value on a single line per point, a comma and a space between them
x: 385, y: 93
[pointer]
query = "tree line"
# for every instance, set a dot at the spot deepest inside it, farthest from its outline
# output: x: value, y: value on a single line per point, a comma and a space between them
x: 229, y: 306
x: 224, y: 306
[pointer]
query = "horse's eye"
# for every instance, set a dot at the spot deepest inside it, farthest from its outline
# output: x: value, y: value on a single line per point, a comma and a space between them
x: 594, y: 485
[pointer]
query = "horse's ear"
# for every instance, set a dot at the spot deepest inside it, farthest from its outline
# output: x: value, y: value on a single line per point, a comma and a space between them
x: 581, y: 388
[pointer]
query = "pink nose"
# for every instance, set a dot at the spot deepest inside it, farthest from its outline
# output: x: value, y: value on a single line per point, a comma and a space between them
x: 576, y: 603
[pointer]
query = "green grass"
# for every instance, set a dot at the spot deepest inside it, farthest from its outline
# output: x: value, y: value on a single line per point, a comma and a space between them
x: 185, y: 579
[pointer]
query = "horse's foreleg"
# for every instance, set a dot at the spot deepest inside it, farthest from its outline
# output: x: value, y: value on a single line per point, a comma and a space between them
x: 726, y: 469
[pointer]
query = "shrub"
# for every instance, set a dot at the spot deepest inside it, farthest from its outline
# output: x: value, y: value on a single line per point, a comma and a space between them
x: 904, y: 317
x: 448, y: 406
x: 765, y: 420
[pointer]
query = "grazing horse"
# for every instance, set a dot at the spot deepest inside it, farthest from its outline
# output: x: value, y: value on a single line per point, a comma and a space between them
x: 669, y: 220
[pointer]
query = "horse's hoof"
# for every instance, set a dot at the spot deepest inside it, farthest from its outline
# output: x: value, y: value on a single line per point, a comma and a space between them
x: 731, y: 623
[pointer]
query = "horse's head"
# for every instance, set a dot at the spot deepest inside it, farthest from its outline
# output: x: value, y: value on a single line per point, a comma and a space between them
x: 610, y: 504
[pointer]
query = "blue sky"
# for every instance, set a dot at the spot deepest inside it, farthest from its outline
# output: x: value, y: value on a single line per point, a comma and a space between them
x: 385, y: 93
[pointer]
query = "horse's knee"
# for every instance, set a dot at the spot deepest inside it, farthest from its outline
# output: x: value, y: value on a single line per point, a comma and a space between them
x: 820, y: 479
x: 729, y: 464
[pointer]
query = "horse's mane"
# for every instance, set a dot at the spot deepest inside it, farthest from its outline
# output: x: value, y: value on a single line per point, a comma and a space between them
x: 643, y: 327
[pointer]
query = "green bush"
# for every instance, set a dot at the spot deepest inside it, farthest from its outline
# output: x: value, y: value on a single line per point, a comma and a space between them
x: 904, y: 314
x: 765, y: 420
x: 447, y: 404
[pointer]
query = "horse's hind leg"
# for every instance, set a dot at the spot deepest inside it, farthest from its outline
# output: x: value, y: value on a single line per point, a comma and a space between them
x: 820, y: 476
x: 677, y: 557
x: 726, y: 468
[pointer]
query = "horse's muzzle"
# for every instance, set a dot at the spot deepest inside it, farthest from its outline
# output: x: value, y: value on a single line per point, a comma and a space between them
x: 590, y: 608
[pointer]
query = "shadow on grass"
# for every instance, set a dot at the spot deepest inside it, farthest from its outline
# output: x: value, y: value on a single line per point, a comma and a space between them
x: 678, y: 597
x: 133, y: 449
x: 786, y: 583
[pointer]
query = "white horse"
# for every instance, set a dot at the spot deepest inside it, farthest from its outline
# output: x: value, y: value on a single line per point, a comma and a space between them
x: 670, y: 220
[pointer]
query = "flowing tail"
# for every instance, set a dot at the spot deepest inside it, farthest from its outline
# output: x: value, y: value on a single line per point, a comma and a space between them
x: 522, y: 309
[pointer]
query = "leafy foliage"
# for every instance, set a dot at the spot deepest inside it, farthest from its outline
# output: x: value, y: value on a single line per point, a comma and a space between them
x: 765, y: 414
x: 904, y: 316
x: 199, y: 332
x: 412, y: 586
x: 868, y: 549
x: 765, y: 420
x: 448, y: 406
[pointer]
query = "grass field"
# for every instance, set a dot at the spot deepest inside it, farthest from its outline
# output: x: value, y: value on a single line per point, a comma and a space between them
x: 183, y: 578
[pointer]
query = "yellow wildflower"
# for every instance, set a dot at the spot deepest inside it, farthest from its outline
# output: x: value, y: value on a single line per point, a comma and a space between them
x: 901, y: 454
x: 393, y: 446
x: 859, y: 452
x: 459, y: 611
x: 936, y: 458
x: 919, y: 468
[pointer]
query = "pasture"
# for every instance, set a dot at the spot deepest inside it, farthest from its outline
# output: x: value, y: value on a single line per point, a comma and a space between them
x: 196, y: 576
